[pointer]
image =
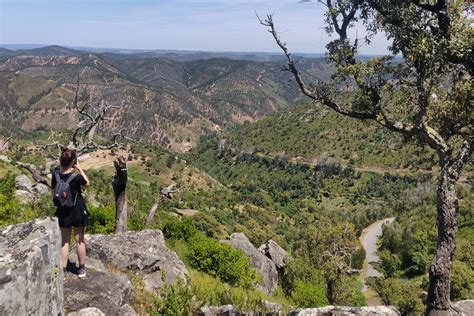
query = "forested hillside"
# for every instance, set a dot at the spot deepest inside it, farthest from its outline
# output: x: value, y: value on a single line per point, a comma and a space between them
x: 159, y: 100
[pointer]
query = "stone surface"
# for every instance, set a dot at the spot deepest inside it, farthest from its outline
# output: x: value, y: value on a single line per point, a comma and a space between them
x: 30, y: 271
x: 347, y: 311
x: 5, y: 158
x: 144, y: 251
x: 41, y: 189
x: 227, y: 310
x: 24, y: 197
x: 22, y: 182
x: 186, y: 212
x: 110, y: 292
x: 260, y: 262
x: 274, y: 252
x: 464, y: 308
x: 90, y: 311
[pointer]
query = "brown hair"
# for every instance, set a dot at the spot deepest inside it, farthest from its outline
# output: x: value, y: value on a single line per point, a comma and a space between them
x: 67, y: 157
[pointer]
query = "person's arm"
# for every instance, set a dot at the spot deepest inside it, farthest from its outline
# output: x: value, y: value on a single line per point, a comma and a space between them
x: 81, y: 171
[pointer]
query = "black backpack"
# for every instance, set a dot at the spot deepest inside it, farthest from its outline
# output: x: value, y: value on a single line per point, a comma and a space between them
x: 62, y: 195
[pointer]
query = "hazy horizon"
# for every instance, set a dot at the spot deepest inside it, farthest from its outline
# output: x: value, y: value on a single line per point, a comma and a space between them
x: 186, y: 25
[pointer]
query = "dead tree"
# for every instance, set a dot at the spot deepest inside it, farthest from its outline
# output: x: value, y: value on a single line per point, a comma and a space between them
x: 164, y: 193
x: 92, y: 111
x: 35, y: 173
x: 120, y: 191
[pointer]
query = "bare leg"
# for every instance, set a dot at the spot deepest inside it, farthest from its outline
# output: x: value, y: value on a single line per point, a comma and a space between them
x: 65, y: 236
x: 81, y: 246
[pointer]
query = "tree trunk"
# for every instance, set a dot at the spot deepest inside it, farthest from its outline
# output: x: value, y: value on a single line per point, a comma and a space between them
x: 151, y: 212
x: 120, y: 192
x: 440, y: 270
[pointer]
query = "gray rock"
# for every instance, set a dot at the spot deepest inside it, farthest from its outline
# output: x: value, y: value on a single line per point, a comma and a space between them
x: 348, y: 311
x: 227, y: 310
x: 463, y: 308
x: 144, y: 251
x: 22, y: 182
x: 110, y: 292
x: 260, y: 262
x: 90, y: 262
x: 267, y: 308
x: 271, y: 307
x: 41, y: 189
x: 24, y: 197
x: 90, y: 311
x: 274, y: 252
x: 30, y: 272
x: 5, y: 158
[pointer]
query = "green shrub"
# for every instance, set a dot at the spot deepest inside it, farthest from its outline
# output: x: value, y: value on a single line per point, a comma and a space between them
x: 180, y: 229
x: 300, y: 270
x: 462, y: 281
x: 307, y: 295
x: 347, y: 291
x: 220, y: 260
x: 174, y: 300
x: 208, y: 290
x: 401, y: 293
x: 101, y: 220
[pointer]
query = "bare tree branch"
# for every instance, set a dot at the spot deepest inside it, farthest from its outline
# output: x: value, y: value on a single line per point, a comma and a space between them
x: 321, y: 95
x: 4, y: 144
x: 166, y: 192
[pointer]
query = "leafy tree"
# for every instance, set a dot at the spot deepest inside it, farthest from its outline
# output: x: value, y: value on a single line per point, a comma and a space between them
x: 330, y: 247
x: 426, y: 97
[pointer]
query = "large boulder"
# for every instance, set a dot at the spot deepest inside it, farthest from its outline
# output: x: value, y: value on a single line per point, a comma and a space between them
x: 348, y: 311
x: 143, y: 251
x: 109, y: 292
x: 22, y: 182
x: 31, y: 278
x: 274, y: 252
x: 260, y: 262
x: 41, y: 189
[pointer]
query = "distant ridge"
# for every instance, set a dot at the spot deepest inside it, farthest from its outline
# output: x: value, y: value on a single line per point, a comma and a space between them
x: 52, y: 50
x: 123, y: 54
x: 5, y: 52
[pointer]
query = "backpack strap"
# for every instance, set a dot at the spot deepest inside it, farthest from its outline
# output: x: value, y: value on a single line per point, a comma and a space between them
x: 56, y: 175
x: 71, y: 177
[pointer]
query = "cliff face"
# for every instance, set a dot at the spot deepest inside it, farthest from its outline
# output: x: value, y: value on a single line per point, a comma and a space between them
x: 31, y: 279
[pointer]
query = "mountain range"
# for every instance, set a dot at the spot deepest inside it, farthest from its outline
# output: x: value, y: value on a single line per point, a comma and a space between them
x: 166, y: 101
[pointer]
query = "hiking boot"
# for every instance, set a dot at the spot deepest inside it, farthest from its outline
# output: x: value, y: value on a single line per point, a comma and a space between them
x: 81, y: 273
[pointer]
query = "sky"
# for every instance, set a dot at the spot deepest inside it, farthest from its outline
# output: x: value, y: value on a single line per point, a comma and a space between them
x: 205, y: 25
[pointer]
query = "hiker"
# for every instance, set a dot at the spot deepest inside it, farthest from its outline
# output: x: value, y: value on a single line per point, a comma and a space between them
x: 71, y: 207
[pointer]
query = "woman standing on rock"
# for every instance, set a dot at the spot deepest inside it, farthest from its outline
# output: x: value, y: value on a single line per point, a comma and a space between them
x: 71, y: 207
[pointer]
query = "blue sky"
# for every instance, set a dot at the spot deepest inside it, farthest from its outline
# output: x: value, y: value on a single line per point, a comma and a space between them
x: 210, y: 25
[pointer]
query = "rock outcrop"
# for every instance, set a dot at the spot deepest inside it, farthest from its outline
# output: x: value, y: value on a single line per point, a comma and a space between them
x: 22, y: 182
x: 348, y: 311
x: 274, y: 252
x: 26, y: 191
x: 143, y: 251
x: 110, y: 292
x: 31, y: 278
x: 260, y: 262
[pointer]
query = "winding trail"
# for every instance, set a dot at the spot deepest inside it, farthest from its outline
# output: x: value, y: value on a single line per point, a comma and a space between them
x: 368, y: 239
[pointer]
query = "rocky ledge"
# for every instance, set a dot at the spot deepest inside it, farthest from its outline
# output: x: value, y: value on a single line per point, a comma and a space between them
x: 31, y: 279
